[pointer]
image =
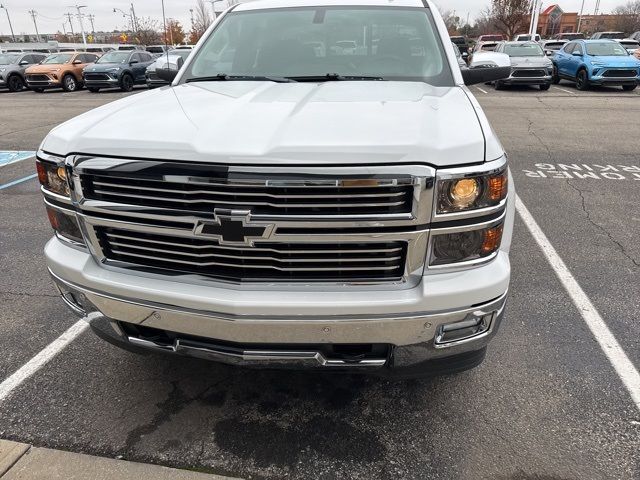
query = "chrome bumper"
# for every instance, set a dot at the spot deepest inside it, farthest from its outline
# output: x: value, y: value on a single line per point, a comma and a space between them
x: 414, y: 338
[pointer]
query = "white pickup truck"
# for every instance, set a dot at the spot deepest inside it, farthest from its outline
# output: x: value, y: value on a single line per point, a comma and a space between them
x: 286, y: 203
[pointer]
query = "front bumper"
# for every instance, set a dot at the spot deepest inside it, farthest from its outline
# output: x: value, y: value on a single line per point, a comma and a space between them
x: 526, y: 80
x: 103, y: 83
x: 614, y: 81
x: 410, y: 321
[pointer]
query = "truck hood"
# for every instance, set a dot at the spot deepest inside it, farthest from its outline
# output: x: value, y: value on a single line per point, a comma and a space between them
x: 263, y: 122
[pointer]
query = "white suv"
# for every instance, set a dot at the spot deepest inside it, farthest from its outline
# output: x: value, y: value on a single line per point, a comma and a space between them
x: 286, y: 205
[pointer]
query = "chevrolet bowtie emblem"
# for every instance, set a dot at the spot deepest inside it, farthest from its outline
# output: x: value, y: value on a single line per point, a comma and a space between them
x: 233, y: 227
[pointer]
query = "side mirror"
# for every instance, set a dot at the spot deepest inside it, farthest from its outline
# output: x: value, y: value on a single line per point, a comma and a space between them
x: 576, y: 54
x: 24, y: 62
x: 166, y: 74
x: 487, y: 67
x: 133, y: 62
x: 77, y: 62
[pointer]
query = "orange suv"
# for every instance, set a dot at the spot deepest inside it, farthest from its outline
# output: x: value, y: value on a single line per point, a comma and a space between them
x: 59, y: 70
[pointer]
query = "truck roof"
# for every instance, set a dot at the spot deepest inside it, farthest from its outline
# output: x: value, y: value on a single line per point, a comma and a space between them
x: 264, y: 4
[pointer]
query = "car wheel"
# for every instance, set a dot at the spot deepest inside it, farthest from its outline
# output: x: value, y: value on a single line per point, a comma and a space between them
x: 545, y: 86
x: 15, y: 83
x: 93, y: 89
x: 126, y: 83
x: 69, y: 83
x: 582, y: 80
x: 629, y: 88
x: 556, y: 76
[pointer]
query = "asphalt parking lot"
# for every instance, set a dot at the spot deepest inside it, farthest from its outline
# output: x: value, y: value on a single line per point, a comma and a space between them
x: 546, y: 404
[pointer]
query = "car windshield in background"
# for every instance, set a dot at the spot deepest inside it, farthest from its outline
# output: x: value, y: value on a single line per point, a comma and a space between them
x: 7, y: 59
x: 181, y: 53
x: 529, y: 50
x: 328, y: 43
x: 606, y: 49
x: 114, y: 57
x: 58, y: 58
x: 155, y: 49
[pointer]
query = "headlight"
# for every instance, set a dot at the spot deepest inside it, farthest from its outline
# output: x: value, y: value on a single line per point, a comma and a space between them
x: 113, y: 70
x: 471, y: 192
x: 53, y: 177
x: 65, y: 224
x: 465, y: 245
x: 2, y: 70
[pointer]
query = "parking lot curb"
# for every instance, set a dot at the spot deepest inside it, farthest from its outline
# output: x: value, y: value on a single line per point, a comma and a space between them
x: 19, y: 461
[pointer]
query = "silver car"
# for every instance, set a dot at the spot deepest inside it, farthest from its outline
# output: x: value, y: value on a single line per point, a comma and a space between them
x: 12, y: 67
x: 529, y: 65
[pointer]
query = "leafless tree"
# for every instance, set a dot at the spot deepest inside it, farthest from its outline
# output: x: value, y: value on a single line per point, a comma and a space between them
x: 149, y: 31
x: 201, y: 21
x: 510, y: 16
x: 628, y: 20
x: 452, y: 21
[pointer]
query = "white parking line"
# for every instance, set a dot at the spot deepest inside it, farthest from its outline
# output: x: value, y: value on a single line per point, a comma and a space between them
x: 483, y: 91
x: 599, y: 329
x: 565, y: 91
x: 41, y: 359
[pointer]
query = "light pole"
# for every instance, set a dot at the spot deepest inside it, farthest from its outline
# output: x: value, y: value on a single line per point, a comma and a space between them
x: 134, y: 19
x: 33, y: 15
x: 84, y: 37
x: 131, y: 17
x: 580, y: 17
x: 13, y: 37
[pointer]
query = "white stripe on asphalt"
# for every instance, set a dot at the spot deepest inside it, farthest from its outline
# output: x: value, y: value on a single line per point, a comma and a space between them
x: 566, y: 91
x: 41, y: 359
x: 610, y: 346
x: 483, y: 91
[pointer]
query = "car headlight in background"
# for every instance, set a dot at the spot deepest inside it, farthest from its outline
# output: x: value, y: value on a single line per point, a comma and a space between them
x: 471, y: 192
x: 65, y: 224
x: 53, y: 177
x: 465, y: 245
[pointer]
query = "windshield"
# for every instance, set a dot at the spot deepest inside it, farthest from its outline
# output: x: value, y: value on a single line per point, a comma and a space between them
x: 554, y: 45
x: 492, y: 38
x: 181, y: 53
x: 386, y: 43
x: 606, y: 49
x: 114, y: 57
x: 528, y: 50
x: 155, y: 49
x: 6, y: 59
x: 612, y: 35
x: 58, y: 58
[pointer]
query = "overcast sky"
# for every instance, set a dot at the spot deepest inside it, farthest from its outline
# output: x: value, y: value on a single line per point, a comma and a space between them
x: 50, y: 12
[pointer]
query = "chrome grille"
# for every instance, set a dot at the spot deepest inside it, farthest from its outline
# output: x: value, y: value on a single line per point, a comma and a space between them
x: 261, y: 262
x: 620, y: 73
x: 267, y: 199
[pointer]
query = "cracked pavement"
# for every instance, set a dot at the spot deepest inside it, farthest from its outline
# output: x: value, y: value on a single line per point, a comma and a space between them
x: 545, y: 404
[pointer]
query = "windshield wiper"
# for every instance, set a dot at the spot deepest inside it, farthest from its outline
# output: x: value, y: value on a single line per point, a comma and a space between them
x: 224, y: 77
x: 333, y: 77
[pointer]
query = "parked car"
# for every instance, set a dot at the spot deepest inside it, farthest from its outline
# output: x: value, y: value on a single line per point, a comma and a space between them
x: 525, y: 37
x: 635, y: 36
x: 494, y: 37
x: 608, y: 35
x: 552, y: 46
x: 596, y: 62
x: 529, y: 65
x: 287, y: 212
x: 118, y: 69
x: 630, y: 45
x: 462, y: 44
x: 461, y: 61
x: 13, y: 67
x: 488, y: 46
x: 59, y: 70
x: 155, y: 49
x: 174, y: 61
x: 568, y: 36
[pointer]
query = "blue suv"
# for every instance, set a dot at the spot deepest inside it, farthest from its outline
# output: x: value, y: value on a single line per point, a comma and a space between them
x: 596, y: 62
x: 121, y: 69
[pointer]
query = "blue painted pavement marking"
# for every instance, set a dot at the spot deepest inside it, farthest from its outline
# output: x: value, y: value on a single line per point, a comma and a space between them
x: 11, y: 156
x: 16, y: 182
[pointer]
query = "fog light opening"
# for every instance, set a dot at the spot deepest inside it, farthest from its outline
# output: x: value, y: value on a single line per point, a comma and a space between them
x: 472, y: 326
